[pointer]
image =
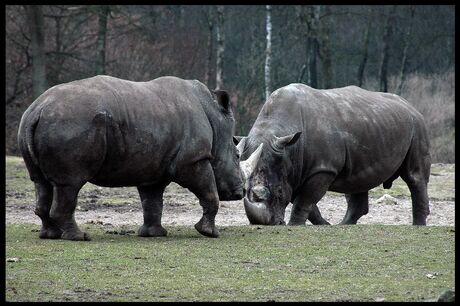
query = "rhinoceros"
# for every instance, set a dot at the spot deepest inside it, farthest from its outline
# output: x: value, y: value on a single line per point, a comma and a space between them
x: 113, y: 132
x: 348, y: 140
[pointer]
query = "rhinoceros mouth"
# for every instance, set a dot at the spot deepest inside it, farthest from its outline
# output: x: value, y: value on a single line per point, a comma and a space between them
x: 257, y: 212
x: 236, y: 194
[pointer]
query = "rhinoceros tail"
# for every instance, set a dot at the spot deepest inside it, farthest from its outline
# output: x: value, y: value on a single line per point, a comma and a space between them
x: 387, y: 184
x: 26, y: 136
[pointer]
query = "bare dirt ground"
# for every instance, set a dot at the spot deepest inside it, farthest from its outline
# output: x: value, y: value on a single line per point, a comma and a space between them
x: 119, y: 206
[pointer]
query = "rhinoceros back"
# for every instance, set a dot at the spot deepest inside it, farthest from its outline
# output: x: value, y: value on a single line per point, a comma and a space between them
x: 123, y: 133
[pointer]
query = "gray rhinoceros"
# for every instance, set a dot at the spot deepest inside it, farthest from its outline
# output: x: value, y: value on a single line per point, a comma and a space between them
x: 347, y: 140
x: 113, y: 132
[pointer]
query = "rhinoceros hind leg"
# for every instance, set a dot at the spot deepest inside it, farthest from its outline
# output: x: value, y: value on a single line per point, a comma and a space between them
x: 199, y: 179
x: 420, y: 207
x: 358, y: 206
x: 44, y: 198
x: 152, y: 204
x: 416, y: 176
x: 63, y: 209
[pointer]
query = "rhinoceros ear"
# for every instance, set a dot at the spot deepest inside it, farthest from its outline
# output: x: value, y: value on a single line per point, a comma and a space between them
x: 223, y: 99
x: 288, y: 140
x: 241, y: 144
x: 237, y: 139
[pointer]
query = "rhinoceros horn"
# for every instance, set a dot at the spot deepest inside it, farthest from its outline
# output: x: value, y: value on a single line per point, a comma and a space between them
x: 248, y: 165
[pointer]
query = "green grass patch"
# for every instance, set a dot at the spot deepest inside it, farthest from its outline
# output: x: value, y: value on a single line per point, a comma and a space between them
x: 17, y: 181
x: 247, y: 263
x: 115, y: 202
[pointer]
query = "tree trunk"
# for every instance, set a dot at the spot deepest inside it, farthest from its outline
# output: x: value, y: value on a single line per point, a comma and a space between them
x: 313, y: 42
x: 383, y: 72
x: 305, y: 27
x: 207, y: 76
x: 268, y: 53
x: 402, y: 74
x: 37, y: 33
x: 312, y: 72
x: 302, y: 73
x: 103, y: 12
x: 220, y: 47
x: 362, y: 65
x: 325, y: 51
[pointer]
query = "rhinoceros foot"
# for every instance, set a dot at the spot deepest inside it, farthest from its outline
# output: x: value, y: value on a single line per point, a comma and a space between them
x: 50, y: 233
x: 152, y: 231
x: 296, y: 223
x: 207, y: 229
x: 75, y: 235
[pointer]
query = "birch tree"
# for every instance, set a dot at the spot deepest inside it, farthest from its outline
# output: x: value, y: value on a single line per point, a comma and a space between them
x: 220, y: 47
x: 268, y: 52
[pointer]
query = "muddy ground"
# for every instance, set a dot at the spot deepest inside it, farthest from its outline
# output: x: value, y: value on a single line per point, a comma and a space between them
x: 119, y: 206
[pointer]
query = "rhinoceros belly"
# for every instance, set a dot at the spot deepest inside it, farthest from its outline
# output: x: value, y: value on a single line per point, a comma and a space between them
x: 371, y: 161
x: 135, y: 157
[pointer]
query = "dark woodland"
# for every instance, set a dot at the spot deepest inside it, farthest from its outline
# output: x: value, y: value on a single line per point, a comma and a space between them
x: 248, y: 51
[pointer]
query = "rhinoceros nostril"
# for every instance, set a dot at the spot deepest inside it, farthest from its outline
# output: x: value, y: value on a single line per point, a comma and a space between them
x: 260, y: 193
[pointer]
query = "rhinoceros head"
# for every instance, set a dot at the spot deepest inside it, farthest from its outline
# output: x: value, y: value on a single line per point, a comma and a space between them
x: 268, y: 191
x: 226, y: 158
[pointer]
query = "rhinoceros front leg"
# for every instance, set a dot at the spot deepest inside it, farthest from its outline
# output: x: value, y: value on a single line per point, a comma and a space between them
x: 315, y: 216
x: 358, y: 206
x: 63, y: 209
x: 312, y: 191
x: 199, y: 179
x: 152, y: 204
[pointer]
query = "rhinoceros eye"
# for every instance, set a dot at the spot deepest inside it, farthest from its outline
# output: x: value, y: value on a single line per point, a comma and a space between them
x: 279, y: 190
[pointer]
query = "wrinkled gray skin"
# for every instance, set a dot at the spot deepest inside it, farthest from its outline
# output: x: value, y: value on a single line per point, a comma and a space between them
x: 347, y: 140
x: 113, y: 132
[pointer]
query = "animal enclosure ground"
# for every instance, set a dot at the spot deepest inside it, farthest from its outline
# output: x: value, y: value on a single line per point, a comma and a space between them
x: 247, y: 263
x: 367, y: 262
x: 117, y: 206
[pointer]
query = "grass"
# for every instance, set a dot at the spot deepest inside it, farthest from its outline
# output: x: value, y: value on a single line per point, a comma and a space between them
x: 247, y: 263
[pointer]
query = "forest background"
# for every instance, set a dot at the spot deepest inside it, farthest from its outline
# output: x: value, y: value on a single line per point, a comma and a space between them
x: 249, y: 51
